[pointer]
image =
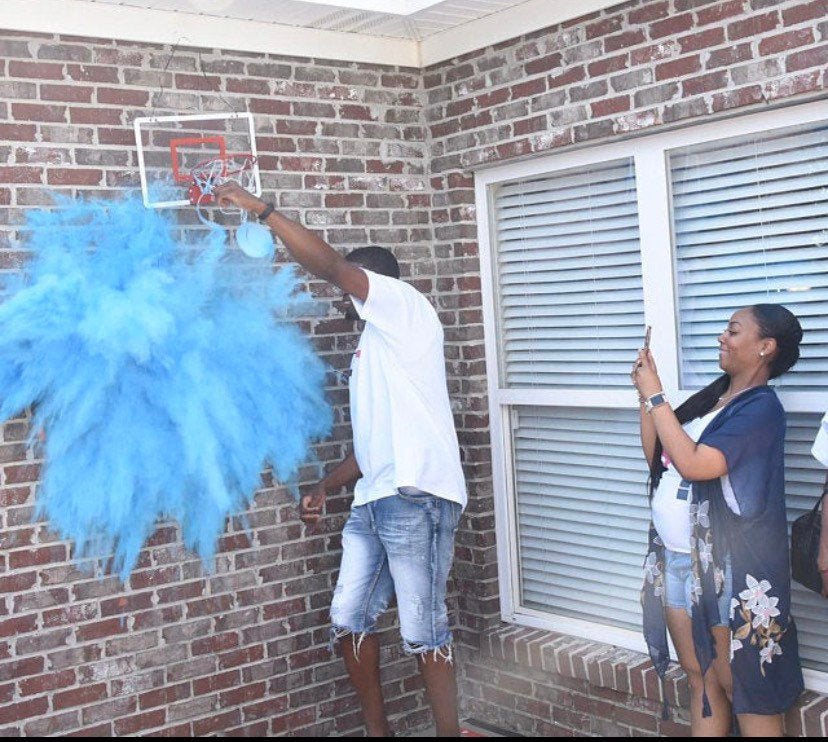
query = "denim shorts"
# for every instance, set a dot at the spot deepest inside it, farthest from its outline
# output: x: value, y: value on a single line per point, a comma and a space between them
x: 678, y: 585
x: 404, y: 545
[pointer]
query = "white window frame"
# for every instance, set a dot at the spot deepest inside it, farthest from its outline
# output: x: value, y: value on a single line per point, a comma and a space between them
x: 660, y: 300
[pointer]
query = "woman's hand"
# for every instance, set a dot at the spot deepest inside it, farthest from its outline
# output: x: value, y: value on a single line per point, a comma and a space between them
x: 645, y: 375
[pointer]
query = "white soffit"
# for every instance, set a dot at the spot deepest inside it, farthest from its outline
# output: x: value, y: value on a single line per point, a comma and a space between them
x: 408, y: 33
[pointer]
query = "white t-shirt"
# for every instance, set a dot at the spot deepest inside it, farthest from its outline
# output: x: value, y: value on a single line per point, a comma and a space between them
x: 403, y: 427
x: 671, y: 501
x: 820, y: 449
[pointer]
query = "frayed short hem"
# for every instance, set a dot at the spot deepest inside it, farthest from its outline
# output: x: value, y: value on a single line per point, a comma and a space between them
x: 442, y: 651
x: 357, y: 637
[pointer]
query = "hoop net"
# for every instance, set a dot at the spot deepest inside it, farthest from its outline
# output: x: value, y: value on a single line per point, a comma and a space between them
x: 208, y: 174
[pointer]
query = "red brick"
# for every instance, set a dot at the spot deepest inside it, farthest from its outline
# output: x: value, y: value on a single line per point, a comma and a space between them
x: 805, y: 12
x: 20, y: 132
x: 649, y: 12
x: 35, y: 557
x: 787, y: 40
x: 106, y: 116
x: 68, y: 93
x: 355, y: 112
x: 164, y: 696
x: 702, y: 40
x: 35, y: 70
x: 718, y: 11
x: 623, y: 40
x: 198, y: 82
x: 101, y: 629
x: 704, y: 83
x: 46, y: 683
x: 214, y: 644
x: 729, y: 56
x: 24, y: 710
x: 753, y: 26
x: 608, y: 106
x: 608, y: 64
x: 38, y: 112
x: 248, y: 86
x: 737, y: 98
x: 92, y: 73
x: 528, y: 88
x: 132, y: 724
x: 214, y: 682
x: 216, y: 723
x: 678, y: 68
x: 671, y: 26
x: 123, y: 97
x: 543, y: 64
x: 573, y: 74
x: 809, y: 58
x: 792, y: 85
x: 18, y: 625
x: 74, y: 176
x: 79, y: 696
x: 125, y: 137
x: 19, y: 582
x: 494, y: 98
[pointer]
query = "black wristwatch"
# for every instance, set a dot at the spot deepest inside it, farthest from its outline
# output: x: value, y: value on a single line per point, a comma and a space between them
x: 269, y: 209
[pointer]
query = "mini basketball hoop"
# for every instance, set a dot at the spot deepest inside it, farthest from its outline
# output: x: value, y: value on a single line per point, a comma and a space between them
x: 208, y: 174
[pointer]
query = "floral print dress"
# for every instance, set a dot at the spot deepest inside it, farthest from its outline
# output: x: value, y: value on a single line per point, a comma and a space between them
x: 764, y: 657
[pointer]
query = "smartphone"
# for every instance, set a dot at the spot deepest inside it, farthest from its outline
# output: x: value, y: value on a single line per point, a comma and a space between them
x: 647, y: 337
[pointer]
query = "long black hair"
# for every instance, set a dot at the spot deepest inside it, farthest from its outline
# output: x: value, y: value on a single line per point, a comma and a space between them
x: 775, y: 321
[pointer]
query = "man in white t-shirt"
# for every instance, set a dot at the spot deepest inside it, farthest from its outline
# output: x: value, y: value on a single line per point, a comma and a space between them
x: 410, y: 491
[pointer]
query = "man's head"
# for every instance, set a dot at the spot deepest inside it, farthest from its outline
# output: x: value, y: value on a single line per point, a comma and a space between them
x: 375, y: 259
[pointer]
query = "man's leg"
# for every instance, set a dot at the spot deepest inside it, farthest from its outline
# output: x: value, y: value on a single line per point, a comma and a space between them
x: 362, y: 593
x: 441, y: 689
x: 363, y: 669
x: 417, y: 531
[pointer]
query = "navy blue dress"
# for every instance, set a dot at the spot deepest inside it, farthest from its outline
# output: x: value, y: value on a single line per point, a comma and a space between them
x: 767, y: 676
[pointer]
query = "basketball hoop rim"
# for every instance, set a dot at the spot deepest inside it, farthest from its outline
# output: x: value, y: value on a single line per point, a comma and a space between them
x: 247, y: 160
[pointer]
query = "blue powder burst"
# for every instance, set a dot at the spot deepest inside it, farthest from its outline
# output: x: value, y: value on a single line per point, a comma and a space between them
x: 164, y: 374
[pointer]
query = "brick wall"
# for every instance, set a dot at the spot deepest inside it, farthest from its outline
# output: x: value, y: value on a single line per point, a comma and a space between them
x: 183, y: 652
x: 631, y: 69
x: 175, y: 650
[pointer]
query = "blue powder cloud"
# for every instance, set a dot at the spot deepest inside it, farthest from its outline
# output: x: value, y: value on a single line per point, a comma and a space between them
x: 164, y: 374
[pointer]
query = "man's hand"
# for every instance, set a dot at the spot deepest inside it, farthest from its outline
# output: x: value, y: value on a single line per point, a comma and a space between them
x: 232, y: 194
x: 312, y: 505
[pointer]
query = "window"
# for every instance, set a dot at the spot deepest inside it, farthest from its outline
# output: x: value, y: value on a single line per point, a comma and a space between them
x: 579, y: 252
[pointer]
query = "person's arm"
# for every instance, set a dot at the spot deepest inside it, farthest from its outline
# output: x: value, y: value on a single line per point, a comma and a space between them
x: 695, y: 462
x: 344, y: 473
x: 822, y: 558
x: 308, y: 249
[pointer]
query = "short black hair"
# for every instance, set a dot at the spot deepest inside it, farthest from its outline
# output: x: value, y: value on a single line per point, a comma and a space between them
x: 376, y: 259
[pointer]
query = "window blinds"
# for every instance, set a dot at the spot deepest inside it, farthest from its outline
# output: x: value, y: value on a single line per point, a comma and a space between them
x: 750, y: 218
x: 582, y: 512
x: 804, y: 477
x: 569, y: 278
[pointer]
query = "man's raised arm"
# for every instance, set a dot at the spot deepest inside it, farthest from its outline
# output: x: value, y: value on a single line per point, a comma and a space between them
x: 309, y: 250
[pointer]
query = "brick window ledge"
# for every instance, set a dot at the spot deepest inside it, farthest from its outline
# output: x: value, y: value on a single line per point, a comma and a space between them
x: 540, y: 683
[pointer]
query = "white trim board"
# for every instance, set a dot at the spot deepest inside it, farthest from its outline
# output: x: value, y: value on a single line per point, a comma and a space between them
x: 149, y: 25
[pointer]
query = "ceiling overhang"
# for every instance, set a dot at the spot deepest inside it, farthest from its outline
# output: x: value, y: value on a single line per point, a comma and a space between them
x: 99, y: 20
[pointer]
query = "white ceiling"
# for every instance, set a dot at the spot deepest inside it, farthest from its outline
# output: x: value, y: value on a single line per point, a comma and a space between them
x: 401, y: 19
x: 408, y: 33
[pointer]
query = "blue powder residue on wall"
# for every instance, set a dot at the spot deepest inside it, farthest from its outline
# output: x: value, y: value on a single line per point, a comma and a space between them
x: 164, y: 375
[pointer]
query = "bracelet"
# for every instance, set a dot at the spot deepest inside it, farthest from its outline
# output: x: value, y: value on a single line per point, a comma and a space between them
x: 269, y: 209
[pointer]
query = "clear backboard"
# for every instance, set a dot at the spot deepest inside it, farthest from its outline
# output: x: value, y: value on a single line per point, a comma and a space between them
x: 177, y: 153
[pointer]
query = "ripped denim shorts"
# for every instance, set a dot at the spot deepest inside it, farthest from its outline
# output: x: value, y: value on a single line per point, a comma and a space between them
x: 404, y: 545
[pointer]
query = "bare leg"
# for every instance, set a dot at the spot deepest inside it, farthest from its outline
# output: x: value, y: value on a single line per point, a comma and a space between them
x: 365, y: 677
x: 681, y: 632
x: 759, y: 725
x: 441, y: 689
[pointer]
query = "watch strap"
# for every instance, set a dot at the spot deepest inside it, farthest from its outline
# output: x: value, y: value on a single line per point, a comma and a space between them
x: 269, y: 209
